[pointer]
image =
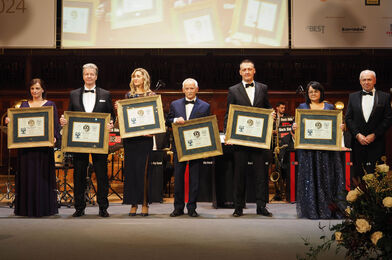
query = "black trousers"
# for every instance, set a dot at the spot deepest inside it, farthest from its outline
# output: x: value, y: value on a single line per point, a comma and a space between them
x: 179, y: 172
x: 259, y: 157
x: 366, y: 156
x: 100, y: 163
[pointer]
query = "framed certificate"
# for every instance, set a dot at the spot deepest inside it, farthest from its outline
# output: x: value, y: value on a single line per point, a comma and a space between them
x: 197, y: 138
x: 249, y: 126
x: 141, y: 116
x: 318, y: 129
x: 30, y: 127
x: 86, y: 132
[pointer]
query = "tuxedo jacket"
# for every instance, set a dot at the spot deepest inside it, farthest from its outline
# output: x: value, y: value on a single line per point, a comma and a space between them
x: 103, y: 101
x: 237, y: 96
x: 177, y: 109
x: 380, y: 118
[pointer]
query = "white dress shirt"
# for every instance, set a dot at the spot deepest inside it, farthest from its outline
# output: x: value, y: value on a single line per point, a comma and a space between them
x: 367, y: 105
x: 89, y: 99
x: 250, y: 91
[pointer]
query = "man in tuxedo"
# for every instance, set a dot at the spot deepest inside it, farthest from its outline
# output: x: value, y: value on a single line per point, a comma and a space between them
x: 368, y: 117
x: 90, y: 98
x: 183, y: 109
x: 252, y: 94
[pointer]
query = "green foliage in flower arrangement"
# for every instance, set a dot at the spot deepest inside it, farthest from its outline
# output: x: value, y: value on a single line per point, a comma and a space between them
x: 366, y: 231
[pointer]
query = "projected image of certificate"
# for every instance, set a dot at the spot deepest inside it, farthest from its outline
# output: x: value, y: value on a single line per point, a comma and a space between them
x: 199, y: 29
x: 75, y: 20
x: 131, y: 13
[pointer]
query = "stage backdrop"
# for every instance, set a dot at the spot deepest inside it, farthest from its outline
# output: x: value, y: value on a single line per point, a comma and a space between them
x: 341, y: 24
x: 175, y: 24
x: 27, y: 23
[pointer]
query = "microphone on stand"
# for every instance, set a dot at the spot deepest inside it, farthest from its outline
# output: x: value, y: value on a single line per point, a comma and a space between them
x: 300, y: 90
x: 160, y: 84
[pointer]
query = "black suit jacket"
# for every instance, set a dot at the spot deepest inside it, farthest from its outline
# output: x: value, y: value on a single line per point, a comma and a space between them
x: 177, y: 109
x: 238, y: 96
x: 380, y: 118
x: 103, y: 101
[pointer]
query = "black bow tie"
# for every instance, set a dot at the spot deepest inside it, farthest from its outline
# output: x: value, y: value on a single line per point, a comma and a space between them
x: 189, y: 102
x: 249, y: 85
x: 89, y: 91
x: 364, y: 93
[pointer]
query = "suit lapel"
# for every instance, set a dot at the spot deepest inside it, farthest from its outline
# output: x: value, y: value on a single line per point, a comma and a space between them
x: 376, y: 99
x: 194, y: 109
x: 81, y: 99
x: 96, y: 98
x: 244, y: 95
x: 182, y: 110
x: 257, y: 94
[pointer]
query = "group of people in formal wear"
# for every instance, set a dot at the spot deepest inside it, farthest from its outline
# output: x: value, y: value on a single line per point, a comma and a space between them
x: 320, y: 176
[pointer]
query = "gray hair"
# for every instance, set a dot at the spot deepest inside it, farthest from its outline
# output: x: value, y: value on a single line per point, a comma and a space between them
x: 189, y: 80
x: 367, y: 71
x: 90, y: 66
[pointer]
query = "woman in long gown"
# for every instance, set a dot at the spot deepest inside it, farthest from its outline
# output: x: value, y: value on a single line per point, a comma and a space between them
x: 320, y: 173
x: 137, y: 150
x: 35, y: 181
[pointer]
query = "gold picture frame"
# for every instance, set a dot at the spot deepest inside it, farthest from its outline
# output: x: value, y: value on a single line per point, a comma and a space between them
x: 318, y: 129
x: 86, y: 132
x: 197, y: 138
x: 249, y: 126
x: 141, y: 116
x: 30, y: 127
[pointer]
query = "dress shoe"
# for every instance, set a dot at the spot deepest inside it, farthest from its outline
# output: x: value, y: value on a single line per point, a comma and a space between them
x: 192, y: 213
x: 132, y: 212
x: 78, y: 213
x: 237, y: 213
x: 103, y: 213
x: 144, y: 212
x: 263, y: 211
x: 176, y: 213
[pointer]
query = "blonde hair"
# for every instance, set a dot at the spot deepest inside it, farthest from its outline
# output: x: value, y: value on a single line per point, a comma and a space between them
x: 146, y: 82
x: 90, y: 66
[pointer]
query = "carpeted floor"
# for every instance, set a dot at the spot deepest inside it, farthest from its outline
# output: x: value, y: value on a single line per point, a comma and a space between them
x: 213, y: 235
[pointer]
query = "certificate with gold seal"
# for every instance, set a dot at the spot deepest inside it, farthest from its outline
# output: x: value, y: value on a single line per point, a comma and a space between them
x: 140, y: 116
x: 30, y: 127
x: 249, y: 126
x: 197, y: 138
x: 86, y: 132
x: 318, y: 129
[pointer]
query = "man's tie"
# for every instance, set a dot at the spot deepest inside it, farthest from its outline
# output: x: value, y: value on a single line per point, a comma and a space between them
x: 89, y: 91
x: 189, y: 102
x: 364, y: 93
x: 249, y: 85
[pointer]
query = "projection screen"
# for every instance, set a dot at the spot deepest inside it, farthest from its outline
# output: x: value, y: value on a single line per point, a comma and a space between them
x: 341, y: 24
x: 27, y: 24
x: 175, y: 24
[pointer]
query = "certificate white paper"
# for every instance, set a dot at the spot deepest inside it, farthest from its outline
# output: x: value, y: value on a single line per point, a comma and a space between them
x: 31, y: 126
x: 318, y: 129
x: 140, y: 116
x: 249, y: 126
x: 85, y: 132
x: 197, y: 138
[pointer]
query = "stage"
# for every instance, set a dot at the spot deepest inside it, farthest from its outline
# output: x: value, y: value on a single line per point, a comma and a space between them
x: 215, y: 234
